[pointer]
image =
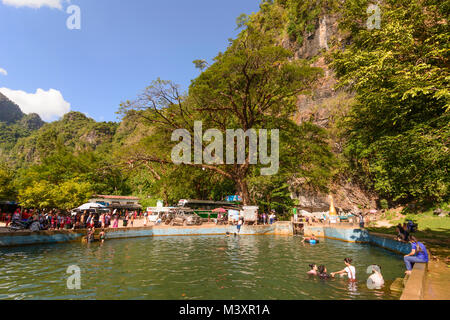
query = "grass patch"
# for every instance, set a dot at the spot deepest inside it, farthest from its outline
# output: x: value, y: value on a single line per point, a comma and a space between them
x: 434, y: 231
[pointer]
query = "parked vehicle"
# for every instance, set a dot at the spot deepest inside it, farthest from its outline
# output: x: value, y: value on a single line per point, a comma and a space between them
x: 250, y: 214
x: 205, y: 208
x: 185, y: 217
x: 156, y: 213
x: 19, y: 225
x: 168, y: 217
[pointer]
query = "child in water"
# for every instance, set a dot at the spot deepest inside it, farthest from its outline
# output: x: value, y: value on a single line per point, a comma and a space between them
x: 313, y: 270
x: 102, y: 236
x: 323, y: 273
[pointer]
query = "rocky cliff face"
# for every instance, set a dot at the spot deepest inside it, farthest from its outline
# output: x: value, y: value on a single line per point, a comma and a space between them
x: 322, y: 107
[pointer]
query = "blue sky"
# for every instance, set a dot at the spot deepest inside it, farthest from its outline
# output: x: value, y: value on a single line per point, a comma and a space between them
x: 121, y: 47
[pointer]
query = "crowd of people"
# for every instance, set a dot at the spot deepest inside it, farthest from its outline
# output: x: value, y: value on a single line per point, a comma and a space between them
x: 62, y: 220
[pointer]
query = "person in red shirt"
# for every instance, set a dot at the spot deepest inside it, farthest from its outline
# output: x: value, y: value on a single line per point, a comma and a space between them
x: 25, y: 215
x: 62, y: 223
x: 54, y: 221
x: 8, y: 219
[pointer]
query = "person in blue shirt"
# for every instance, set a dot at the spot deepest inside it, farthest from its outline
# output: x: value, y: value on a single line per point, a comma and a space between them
x: 418, y: 254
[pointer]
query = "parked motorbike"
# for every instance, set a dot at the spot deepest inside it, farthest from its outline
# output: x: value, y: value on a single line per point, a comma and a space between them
x: 18, y: 225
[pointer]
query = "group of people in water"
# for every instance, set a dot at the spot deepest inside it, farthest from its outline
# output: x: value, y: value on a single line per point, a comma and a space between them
x: 90, y: 235
x: 375, y: 280
x: 418, y: 254
x: 322, y: 273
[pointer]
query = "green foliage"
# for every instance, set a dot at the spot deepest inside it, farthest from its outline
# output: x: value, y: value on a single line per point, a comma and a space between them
x: 397, y: 131
x: 7, y: 190
x: 271, y: 193
x: 10, y: 134
x: 75, y: 131
x: 384, y: 204
x: 66, y: 195
x: 303, y: 16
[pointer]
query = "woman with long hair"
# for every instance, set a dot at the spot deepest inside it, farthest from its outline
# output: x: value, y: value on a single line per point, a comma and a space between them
x: 418, y: 254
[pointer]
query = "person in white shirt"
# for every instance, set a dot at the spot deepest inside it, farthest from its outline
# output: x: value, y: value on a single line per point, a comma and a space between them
x: 240, y: 223
x: 349, y: 270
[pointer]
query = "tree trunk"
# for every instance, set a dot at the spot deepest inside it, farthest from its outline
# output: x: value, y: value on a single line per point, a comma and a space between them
x: 243, y: 191
x: 166, y: 198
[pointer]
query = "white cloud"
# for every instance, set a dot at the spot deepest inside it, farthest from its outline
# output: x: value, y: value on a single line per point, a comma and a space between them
x: 36, y: 4
x: 3, y: 72
x: 50, y: 105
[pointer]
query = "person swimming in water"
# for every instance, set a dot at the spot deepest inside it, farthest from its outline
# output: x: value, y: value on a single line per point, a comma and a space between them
x: 349, y: 270
x: 314, y: 270
x: 309, y: 239
x: 323, y: 272
x: 376, y: 280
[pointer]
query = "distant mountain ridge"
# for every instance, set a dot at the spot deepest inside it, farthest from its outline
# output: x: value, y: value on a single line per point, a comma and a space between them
x: 10, y: 113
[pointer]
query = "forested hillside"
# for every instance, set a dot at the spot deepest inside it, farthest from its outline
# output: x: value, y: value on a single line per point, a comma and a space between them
x: 363, y: 114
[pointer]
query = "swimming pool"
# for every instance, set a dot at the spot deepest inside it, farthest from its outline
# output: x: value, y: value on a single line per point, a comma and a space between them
x: 203, y: 267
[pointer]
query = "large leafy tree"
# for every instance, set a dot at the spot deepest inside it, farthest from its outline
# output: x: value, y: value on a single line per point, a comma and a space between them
x: 253, y: 85
x: 398, y: 133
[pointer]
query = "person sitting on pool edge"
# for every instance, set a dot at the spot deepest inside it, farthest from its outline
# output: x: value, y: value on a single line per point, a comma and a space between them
x: 402, y: 234
x: 418, y: 254
x: 314, y: 270
x: 349, y: 270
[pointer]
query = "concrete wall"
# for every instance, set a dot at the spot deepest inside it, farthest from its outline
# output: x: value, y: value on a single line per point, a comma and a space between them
x: 28, y: 238
x: 388, y: 242
x: 357, y: 235
x: 415, y: 286
x: 8, y: 239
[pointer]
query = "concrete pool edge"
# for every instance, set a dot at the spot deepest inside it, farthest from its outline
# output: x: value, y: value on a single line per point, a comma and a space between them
x: 25, y: 238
